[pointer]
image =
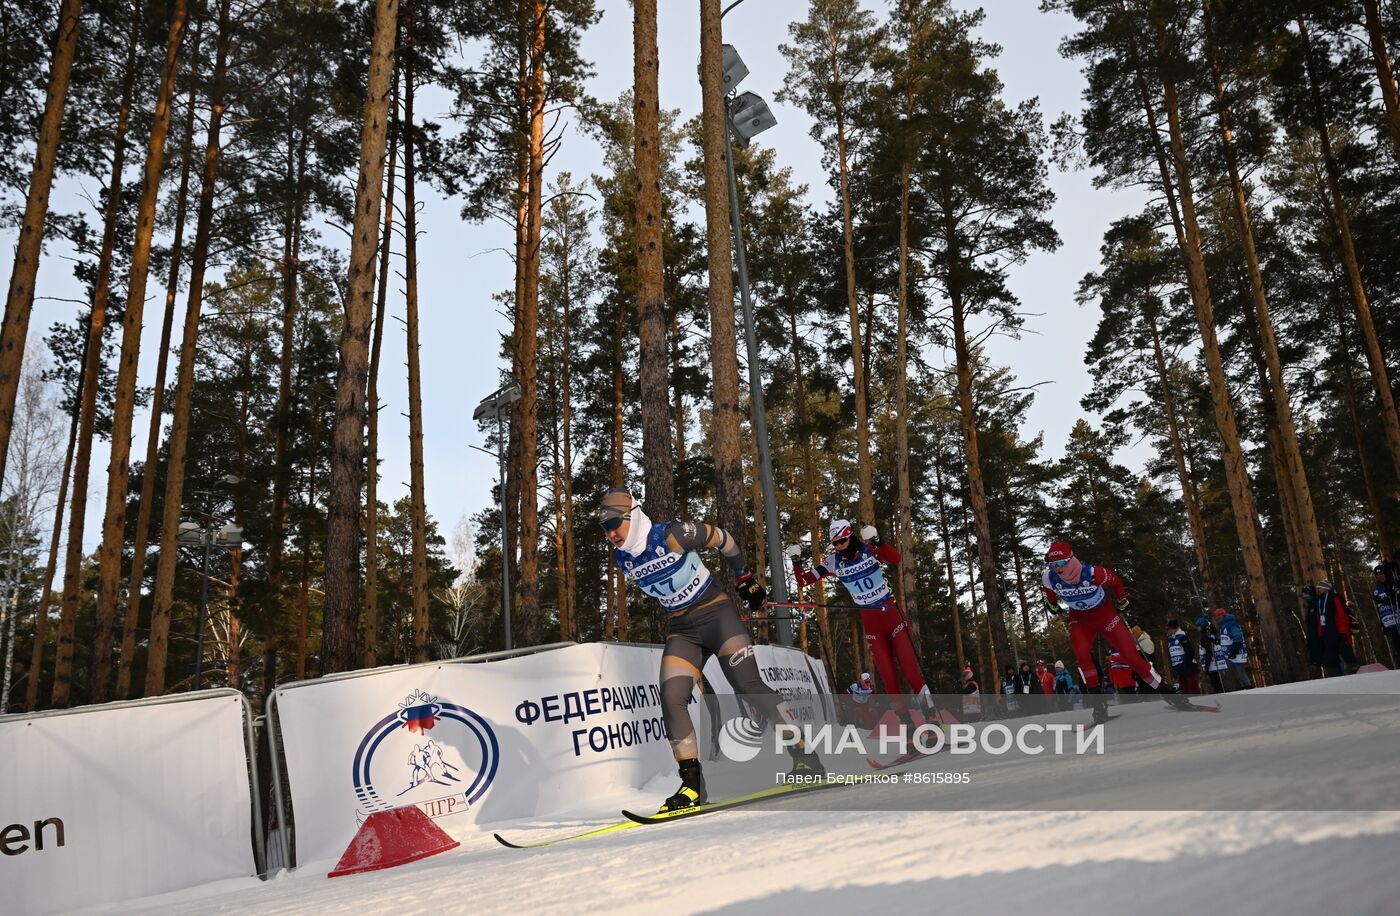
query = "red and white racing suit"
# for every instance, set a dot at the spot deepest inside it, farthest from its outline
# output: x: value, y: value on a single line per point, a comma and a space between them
x: 1092, y: 601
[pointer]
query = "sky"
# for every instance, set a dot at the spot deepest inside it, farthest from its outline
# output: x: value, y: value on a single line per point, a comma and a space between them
x: 462, y: 265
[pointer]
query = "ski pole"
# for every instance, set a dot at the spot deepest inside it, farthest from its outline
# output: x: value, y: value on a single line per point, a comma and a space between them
x: 811, y: 604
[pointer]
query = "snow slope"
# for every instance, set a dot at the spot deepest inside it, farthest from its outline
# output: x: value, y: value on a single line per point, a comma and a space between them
x: 956, y: 861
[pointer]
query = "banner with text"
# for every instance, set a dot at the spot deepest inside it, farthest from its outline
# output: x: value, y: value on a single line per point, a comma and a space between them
x: 122, y: 801
x: 469, y: 743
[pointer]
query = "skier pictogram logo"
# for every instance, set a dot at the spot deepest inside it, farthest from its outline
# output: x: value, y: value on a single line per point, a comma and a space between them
x: 399, y: 762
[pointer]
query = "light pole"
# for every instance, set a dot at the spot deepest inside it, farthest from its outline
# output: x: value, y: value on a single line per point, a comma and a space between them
x: 202, y: 534
x: 497, y: 403
x: 749, y: 116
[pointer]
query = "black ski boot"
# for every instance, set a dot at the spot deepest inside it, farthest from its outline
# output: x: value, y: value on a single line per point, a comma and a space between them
x: 806, y: 765
x: 1100, y: 703
x: 1173, y: 696
x: 692, y: 793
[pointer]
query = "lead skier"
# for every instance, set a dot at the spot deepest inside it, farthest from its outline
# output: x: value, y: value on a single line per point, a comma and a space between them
x: 701, y: 620
x: 1093, y: 596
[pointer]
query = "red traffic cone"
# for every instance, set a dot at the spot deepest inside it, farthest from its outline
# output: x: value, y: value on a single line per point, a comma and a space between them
x: 393, y: 837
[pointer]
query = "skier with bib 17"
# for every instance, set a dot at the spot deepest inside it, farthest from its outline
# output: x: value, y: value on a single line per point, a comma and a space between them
x: 856, y: 563
x: 1093, y: 596
x: 701, y: 620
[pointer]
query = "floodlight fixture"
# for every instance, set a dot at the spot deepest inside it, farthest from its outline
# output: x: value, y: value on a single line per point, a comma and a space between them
x: 497, y: 401
x: 749, y: 116
x: 734, y: 68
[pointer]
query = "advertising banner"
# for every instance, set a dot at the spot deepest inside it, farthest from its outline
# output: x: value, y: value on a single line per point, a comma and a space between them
x: 471, y: 743
x: 122, y: 801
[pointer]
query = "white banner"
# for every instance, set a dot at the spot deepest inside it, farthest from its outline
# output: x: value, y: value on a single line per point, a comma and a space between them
x: 800, y: 678
x: 469, y: 743
x: 120, y: 802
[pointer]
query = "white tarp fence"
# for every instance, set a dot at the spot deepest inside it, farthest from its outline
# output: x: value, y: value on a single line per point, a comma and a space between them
x: 801, y: 679
x: 123, y: 801
x: 470, y: 743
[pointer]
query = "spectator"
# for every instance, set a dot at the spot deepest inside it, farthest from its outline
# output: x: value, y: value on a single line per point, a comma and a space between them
x: 1211, y: 654
x: 864, y: 711
x: 1064, y: 685
x: 1327, y: 626
x: 1026, y: 681
x: 1047, y: 679
x: 1009, y: 691
x: 972, y: 697
x: 1181, y: 655
x: 1231, y: 636
x: 1386, y: 607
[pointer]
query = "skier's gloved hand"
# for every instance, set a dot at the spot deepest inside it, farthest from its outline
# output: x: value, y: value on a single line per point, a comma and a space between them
x: 1124, y: 604
x: 749, y: 589
x: 1054, y: 606
x: 868, y: 533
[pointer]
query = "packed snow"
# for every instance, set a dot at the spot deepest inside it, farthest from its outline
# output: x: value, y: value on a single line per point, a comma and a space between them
x: 785, y: 854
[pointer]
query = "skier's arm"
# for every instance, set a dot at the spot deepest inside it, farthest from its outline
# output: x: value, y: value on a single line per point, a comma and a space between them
x: 885, y: 553
x: 1052, y: 600
x: 1112, y: 585
x: 683, y: 537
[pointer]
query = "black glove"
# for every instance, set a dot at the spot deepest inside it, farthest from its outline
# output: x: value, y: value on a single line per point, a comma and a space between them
x: 1054, y: 606
x: 752, y: 593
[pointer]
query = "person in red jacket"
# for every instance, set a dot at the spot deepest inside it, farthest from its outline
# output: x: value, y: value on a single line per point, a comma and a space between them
x: 1093, y: 596
x: 857, y: 564
x: 1047, y: 679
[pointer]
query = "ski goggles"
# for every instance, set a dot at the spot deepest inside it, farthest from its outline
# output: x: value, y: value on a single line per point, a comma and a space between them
x: 1058, y: 564
x: 611, y: 522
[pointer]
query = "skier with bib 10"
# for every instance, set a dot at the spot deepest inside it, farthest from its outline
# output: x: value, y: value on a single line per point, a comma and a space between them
x: 857, y: 564
x: 701, y: 620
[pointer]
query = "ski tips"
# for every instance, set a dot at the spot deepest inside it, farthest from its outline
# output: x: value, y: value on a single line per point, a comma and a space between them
x: 507, y: 843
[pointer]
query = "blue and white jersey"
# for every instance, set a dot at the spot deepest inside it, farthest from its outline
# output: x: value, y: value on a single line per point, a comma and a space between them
x: 677, y: 580
x: 1386, y: 606
x: 1178, y: 649
x: 862, y: 575
x: 1086, y: 593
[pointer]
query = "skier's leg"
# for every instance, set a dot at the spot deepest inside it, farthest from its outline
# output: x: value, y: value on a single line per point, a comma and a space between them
x: 903, y: 638
x: 1117, y: 634
x: 875, y: 623
x: 1081, y: 639
x: 724, y: 634
x: 680, y: 671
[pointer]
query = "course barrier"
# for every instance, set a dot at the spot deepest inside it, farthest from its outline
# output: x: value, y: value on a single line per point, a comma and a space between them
x: 106, y: 803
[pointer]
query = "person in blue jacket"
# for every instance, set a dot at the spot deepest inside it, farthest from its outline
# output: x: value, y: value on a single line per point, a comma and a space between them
x: 1388, y: 607
x: 1231, y: 641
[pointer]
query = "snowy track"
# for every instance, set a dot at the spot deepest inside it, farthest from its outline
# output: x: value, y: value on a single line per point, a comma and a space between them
x: 841, y: 861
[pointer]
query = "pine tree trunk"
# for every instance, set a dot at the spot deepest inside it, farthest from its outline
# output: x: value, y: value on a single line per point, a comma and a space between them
x: 986, y: 549
x: 948, y: 553
x: 1025, y: 603
x: 119, y: 468
x: 1385, y: 76
x: 809, y: 479
x: 342, y: 555
x: 569, y: 583
x: 1343, y: 366
x: 163, y: 595
x: 658, y: 469
x: 866, y: 506
x: 41, y: 612
x: 1375, y: 357
x: 372, y: 402
x: 418, y: 507
x: 87, y: 414
x: 1188, y: 486
x: 1236, y: 472
x: 19, y: 301
x: 726, y: 421
x: 906, y: 504
x: 1295, y: 478
x: 141, y: 537
x: 527, y: 344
